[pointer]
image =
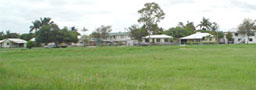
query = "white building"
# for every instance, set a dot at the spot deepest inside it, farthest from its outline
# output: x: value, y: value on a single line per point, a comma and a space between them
x: 239, y: 38
x: 13, y: 43
x: 198, y: 37
x: 119, y: 38
x: 157, y: 39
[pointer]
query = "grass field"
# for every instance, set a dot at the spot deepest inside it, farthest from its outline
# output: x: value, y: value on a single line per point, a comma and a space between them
x: 213, y: 67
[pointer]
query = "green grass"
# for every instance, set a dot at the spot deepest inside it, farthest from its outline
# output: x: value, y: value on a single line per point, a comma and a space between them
x: 213, y: 67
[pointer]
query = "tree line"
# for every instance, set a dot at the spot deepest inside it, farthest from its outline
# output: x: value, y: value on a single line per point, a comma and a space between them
x: 45, y: 30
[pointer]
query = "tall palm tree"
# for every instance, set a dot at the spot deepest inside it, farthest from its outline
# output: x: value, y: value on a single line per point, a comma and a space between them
x: 84, y: 30
x: 36, y: 25
x: 214, y: 26
x: 46, y: 21
x: 205, y: 24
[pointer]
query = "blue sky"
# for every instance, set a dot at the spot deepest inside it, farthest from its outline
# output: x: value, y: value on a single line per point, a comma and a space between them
x: 17, y: 15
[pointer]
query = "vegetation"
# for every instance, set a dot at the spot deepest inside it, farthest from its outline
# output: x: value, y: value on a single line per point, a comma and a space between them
x: 26, y: 36
x: 205, y: 24
x: 137, y: 32
x: 200, y: 67
x: 151, y: 15
x: 101, y: 33
x: 181, y: 30
x: 229, y: 36
x: 8, y: 34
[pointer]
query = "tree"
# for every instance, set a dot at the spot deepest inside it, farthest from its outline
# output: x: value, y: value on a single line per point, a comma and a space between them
x: 44, y: 34
x: 36, y: 25
x: 178, y: 32
x: 11, y: 35
x: 101, y: 33
x: 229, y: 36
x: 151, y: 14
x: 214, y: 26
x: 46, y: 21
x: 52, y: 33
x: 137, y: 32
x: 86, y: 39
x: 27, y: 36
x: 248, y: 28
x: 189, y: 26
x: 2, y: 36
x: 205, y: 24
x: 84, y: 30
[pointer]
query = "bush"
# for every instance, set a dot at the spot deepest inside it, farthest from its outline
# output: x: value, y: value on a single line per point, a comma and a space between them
x: 31, y: 44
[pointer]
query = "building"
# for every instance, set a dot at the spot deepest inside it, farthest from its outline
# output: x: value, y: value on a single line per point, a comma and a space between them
x: 157, y: 39
x: 239, y: 38
x: 13, y: 43
x: 198, y: 37
x: 119, y: 38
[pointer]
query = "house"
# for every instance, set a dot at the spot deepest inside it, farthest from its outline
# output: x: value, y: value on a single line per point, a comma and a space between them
x: 119, y: 38
x: 157, y: 39
x: 198, y: 37
x: 239, y: 38
x: 13, y: 43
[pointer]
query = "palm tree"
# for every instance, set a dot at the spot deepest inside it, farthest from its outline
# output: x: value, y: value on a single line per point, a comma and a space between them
x: 214, y: 26
x: 84, y: 30
x: 205, y: 24
x: 248, y: 28
x: 46, y: 21
x: 36, y: 25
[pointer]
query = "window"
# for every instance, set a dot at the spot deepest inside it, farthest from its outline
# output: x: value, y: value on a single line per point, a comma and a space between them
x: 114, y: 37
x: 166, y: 40
x: 236, y: 34
x: 250, y: 39
x: 210, y: 39
x: 146, y: 40
x: 7, y: 43
x: 157, y: 40
x: 239, y: 39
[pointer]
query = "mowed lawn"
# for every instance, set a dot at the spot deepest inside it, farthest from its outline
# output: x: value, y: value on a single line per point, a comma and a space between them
x: 209, y: 67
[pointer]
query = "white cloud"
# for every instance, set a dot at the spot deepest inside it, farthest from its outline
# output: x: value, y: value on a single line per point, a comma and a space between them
x: 17, y: 15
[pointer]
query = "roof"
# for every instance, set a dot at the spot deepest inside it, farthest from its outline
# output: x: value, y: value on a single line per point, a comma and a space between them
x: 118, y: 34
x: 16, y: 40
x: 197, y: 35
x: 158, y: 36
x: 33, y: 39
x: 1, y: 41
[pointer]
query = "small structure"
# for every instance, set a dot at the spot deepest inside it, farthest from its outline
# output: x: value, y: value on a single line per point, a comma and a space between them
x: 198, y: 38
x: 157, y: 39
x: 13, y: 43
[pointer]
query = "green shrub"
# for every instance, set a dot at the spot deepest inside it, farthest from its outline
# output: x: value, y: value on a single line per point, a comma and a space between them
x: 31, y: 44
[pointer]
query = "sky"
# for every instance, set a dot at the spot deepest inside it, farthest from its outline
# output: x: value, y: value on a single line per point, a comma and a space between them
x: 17, y: 15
